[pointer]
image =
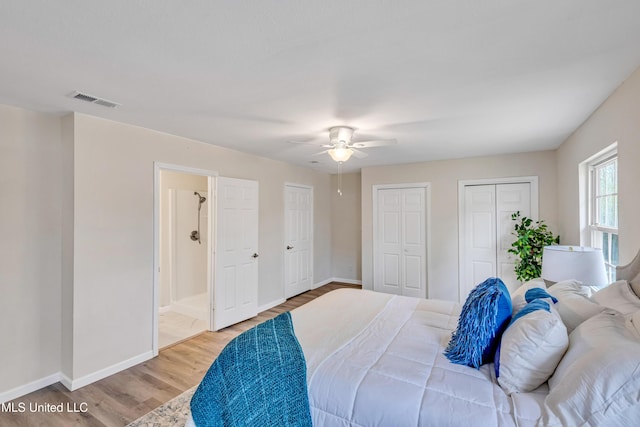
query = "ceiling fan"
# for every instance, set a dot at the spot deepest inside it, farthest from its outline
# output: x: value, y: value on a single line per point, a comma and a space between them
x: 341, y: 146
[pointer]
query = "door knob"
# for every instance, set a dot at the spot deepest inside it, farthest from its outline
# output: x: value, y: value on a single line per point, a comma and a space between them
x: 289, y: 247
x: 255, y: 256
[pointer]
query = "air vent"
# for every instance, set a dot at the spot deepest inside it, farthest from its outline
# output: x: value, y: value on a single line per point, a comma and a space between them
x: 94, y: 100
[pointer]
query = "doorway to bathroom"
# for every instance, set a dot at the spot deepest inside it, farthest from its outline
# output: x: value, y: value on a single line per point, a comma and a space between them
x: 184, y: 306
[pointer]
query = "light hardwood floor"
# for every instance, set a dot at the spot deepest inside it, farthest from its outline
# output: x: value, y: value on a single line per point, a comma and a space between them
x: 127, y: 395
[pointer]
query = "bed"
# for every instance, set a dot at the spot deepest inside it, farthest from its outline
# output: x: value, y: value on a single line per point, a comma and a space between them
x: 374, y: 359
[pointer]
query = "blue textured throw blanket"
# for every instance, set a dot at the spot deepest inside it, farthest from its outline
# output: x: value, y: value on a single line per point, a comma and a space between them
x: 259, y: 379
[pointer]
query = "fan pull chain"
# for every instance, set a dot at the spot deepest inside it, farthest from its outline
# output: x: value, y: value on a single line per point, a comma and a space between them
x: 339, y: 178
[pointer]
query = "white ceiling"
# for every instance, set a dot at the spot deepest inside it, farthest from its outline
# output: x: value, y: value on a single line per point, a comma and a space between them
x: 448, y: 79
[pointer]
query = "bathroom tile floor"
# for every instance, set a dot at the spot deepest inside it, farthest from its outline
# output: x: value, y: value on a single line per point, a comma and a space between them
x: 175, y: 327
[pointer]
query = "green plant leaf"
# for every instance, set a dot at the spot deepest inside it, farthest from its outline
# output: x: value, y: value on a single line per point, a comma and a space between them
x: 531, y: 238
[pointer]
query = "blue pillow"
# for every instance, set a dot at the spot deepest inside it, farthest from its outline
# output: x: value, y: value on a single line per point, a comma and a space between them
x: 485, y: 315
x: 538, y: 293
x: 533, y: 305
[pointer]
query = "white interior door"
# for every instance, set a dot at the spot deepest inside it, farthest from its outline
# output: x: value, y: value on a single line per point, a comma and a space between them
x: 400, y: 251
x: 298, y: 252
x: 480, y: 236
x: 387, y: 277
x: 236, y: 253
x: 414, y: 265
x: 510, y: 198
x: 487, y: 232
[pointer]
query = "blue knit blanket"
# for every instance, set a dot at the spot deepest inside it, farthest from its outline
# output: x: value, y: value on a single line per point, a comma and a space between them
x: 259, y: 379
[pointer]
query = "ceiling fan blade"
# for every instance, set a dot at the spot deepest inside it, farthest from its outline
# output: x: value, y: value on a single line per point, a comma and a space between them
x: 309, y: 141
x: 374, y: 143
x: 359, y: 154
x: 322, y: 152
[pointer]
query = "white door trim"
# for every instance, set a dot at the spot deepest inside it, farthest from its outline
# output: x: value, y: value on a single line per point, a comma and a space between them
x: 531, y: 180
x: 157, y: 168
x: 427, y: 212
x: 312, y: 231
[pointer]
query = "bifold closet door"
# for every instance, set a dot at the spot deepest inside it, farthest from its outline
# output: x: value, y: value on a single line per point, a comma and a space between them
x: 510, y: 198
x: 400, y: 248
x: 488, y: 229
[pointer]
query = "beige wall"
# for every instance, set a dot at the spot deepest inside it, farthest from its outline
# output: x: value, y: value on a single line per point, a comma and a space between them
x: 68, y: 224
x: 30, y: 250
x: 76, y: 255
x: 114, y: 230
x: 616, y: 120
x: 444, y: 177
x: 346, y: 238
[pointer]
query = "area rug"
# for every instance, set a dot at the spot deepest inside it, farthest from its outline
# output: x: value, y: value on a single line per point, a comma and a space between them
x: 173, y: 413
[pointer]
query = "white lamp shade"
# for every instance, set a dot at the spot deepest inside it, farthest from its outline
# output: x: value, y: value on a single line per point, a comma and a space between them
x: 340, y: 154
x: 574, y: 262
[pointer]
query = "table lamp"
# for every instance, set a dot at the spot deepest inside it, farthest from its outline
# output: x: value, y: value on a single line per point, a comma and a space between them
x: 574, y: 262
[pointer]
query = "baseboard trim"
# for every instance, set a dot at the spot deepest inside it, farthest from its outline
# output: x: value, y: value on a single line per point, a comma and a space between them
x: 271, y: 304
x: 108, y: 371
x: 65, y: 381
x: 336, y: 279
x: 322, y: 283
x: 113, y: 369
x: 72, y: 384
x: 347, y: 281
x: 20, y: 391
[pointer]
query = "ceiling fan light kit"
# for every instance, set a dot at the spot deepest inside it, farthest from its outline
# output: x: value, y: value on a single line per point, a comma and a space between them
x: 340, y: 137
x: 340, y: 154
x: 342, y: 146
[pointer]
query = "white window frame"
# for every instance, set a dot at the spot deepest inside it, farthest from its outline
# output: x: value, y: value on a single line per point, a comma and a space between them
x: 594, y: 228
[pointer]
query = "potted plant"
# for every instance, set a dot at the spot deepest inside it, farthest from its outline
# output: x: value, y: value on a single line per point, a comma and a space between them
x: 531, y: 238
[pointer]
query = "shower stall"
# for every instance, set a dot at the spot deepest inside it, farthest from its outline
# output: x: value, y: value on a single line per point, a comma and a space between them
x: 184, y: 293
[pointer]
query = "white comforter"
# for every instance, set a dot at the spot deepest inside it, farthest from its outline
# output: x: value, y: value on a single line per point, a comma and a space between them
x: 376, y: 360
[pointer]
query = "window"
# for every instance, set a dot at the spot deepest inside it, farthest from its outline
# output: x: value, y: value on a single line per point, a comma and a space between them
x: 603, y: 208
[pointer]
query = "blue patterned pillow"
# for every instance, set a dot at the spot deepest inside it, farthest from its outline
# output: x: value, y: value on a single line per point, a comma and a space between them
x: 485, y: 315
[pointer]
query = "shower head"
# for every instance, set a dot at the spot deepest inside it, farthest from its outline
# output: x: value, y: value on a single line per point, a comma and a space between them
x: 201, y: 198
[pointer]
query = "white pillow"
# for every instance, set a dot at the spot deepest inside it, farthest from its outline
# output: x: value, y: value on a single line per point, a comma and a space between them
x: 597, y: 381
x: 530, y: 350
x: 517, y: 296
x: 618, y: 296
x: 573, y: 304
x: 635, y: 286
